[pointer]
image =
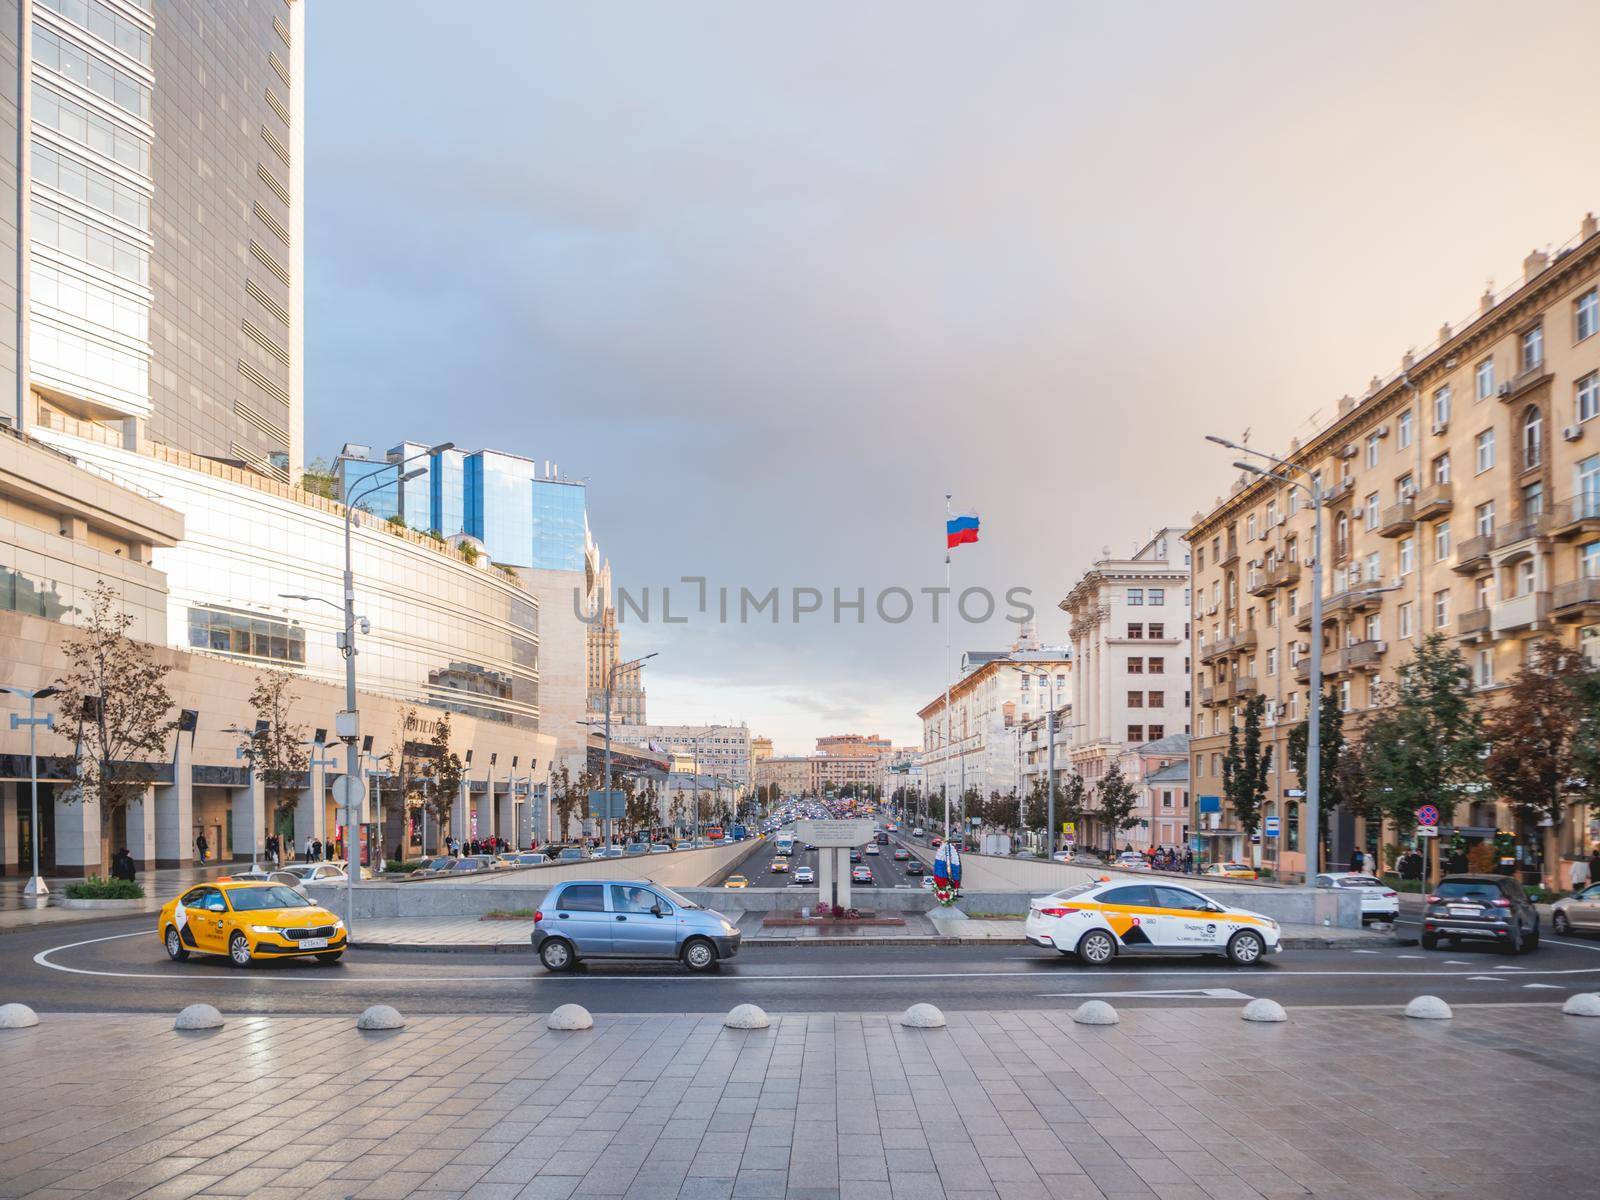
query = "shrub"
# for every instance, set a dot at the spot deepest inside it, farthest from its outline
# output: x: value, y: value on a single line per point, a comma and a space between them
x: 404, y: 868
x: 96, y: 888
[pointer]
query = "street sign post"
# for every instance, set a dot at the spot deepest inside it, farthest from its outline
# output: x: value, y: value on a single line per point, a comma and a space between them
x: 1428, y: 814
x: 1427, y: 831
x: 1270, y: 826
x: 600, y: 810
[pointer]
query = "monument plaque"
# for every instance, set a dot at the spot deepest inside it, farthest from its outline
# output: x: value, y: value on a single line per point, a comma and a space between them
x: 828, y: 834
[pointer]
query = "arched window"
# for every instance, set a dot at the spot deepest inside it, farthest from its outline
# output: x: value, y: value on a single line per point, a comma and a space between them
x: 1532, y: 437
x: 1291, y: 821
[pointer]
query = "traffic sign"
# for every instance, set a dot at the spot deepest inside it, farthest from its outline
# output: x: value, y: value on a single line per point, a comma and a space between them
x: 1270, y: 827
x: 1428, y: 814
x: 616, y: 809
x: 1427, y: 831
x: 350, y: 791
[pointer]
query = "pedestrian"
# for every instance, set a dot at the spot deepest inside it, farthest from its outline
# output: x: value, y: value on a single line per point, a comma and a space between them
x: 1579, y: 876
x: 308, y: 848
x: 1594, y: 866
x: 122, y: 866
x: 1357, y: 860
x: 316, y: 849
x: 200, y: 845
x: 1188, y: 862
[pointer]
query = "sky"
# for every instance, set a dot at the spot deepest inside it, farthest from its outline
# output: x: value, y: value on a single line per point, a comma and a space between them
x: 776, y: 278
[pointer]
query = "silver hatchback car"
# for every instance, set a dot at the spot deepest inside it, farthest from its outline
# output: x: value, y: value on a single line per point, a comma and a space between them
x: 606, y: 918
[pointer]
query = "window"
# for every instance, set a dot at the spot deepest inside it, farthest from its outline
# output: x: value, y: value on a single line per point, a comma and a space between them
x: 1404, y: 426
x: 1136, y: 666
x: 1483, y: 446
x: 1136, y: 629
x: 1532, y: 438
x: 1136, y: 596
x: 1483, y: 592
x: 1373, y: 447
x: 1586, y: 315
x: 1586, y: 485
x: 1441, y: 541
x: 1483, y: 519
x: 1158, y: 629
x: 1532, y: 349
x: 582, y: 897
x: 1272, y: 610
x: 1156, y: 732
x: 1441, y: 407
x: 245, y: 635
x: 1374, y: 627
x: 1139, y: 896
x: 1587, y: 397
x: 1294, y: 706
x: 1441, y: 469
x: 1406, y: 615
x: 1527, y: 576
x: 1373, y: 568
x: 1136, y: 733
x: 1158, y: 598
x: 1441, y: 608
x: 1250, y: 528
x: 1294, y: 601
x: 1589, y: 561
x: 1408, y: 555
x: 1135, y: 699
x: 1533, y: 501
x: 1484, y: 377
x: 1344, y: 695
x: 1158, y: 666
x: 1272, y: 660
x: 1341, y: 535
x: 1369, y: 511
x: 1291, y: 549
x: 1156, y: 700
x: 1589, y: 644
x: 1483, y: 668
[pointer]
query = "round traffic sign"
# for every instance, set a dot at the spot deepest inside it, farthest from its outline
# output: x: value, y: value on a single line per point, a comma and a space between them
x: 350, y: 791
x: 1428, y: 814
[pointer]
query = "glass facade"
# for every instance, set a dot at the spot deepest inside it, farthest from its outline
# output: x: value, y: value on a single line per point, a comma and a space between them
x: 373, y: 484
x: 447, y: 491
x: 560, y: 525
x: 498, y: 511
x: 443, y: 633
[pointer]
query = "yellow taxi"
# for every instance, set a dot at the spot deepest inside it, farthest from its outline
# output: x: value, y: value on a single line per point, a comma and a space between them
x: 246, y: 920
x: 735, y: 881
x: 1230, y: 870
x: 780, y: 864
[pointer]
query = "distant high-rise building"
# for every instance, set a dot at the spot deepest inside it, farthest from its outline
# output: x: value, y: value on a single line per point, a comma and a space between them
x: 158, y: 202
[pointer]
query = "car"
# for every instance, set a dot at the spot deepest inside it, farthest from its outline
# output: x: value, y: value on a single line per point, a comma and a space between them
x: 735, y: 881
x: 602, y: 918
x: 855, y: 856
x: 862, y: 875
x: 804, y: 875
x: 901, y: 854
x: 1130, y: 860
x: 1098, y: 921
x: 928, y: 883
x: 607, y: 852
x: 917, y: 832
x: 1078, y: 858
x: 1379, y: 901
x: 935, y: 842
x: 872, y: 848
x: 633, y: 849
x: 780, y: 865
x: 660, y: 848
x: 470, y: 863
x: 244, y: 921
x: 1480, y: 908
x: 529, y: 858
x: 1230, y: 870
x: 915, y: 867
x: 1578, y: 913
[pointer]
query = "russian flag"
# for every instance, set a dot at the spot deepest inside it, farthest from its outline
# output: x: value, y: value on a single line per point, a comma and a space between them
x: 961, y: 528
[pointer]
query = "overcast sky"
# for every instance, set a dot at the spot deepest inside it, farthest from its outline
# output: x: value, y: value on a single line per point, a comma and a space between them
x: 775, y: 277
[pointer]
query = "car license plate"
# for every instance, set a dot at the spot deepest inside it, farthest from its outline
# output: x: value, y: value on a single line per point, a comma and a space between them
x: 313, y: 943
x: 1462, y: 910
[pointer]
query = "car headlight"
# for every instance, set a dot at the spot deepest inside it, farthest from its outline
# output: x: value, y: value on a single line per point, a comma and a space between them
x: 729, y: 927
x: 266, y: 929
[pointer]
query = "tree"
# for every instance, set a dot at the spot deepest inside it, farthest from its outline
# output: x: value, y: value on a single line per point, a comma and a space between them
x: 1244, y: 767
x: 1339, y: 767
x: 679, y: 810
x: 114, y: 704
x: 276, y: 748
x: 1586, y: 734
x: 1072, y: 801
x: 1038, y: 811
x: 1425, y: 743
x: 446, y: 776
x: 1533, y: 735
x: 565, y: 799
x: 1118, y: 799
x: 318, y: 479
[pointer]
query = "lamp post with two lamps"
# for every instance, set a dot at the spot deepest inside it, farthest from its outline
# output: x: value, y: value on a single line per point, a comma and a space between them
x: 36, y: 892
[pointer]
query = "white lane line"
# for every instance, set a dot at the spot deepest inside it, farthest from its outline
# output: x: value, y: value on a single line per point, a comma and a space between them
x: 43, y: 959
x: 1177, y: 993
x: 1511, y: 968
x: 1456, y: 962
x: 1556, y: 986
x: 1417, y: 956
x: 1487, y: 979
x: 1364, y: 952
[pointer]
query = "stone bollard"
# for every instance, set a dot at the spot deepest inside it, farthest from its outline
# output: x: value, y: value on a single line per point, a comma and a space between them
x: 380, y: 1016
x: 1264, y: 1010
x: 570, y: 1016
x: 17, y: 1016
x: 922, y: 1016
x: 1429, y: 1008
x: 1584, y: 1004
x: 746, y: 1016
x: 1095, y: 1012
x: 198, y: 1016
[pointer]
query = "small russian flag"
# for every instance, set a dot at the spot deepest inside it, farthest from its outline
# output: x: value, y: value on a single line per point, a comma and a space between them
x: 961, y: 528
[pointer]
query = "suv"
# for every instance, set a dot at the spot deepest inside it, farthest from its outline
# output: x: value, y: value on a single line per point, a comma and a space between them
x: 1485, y: 908
x: 604, y: 918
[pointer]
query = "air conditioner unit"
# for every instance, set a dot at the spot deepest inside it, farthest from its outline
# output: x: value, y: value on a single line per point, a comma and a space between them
x: 1348, y: 450
x: 1382, y: 431
x: 1358, y: 511
x: 1397, y: 582
x: 1439, y: 427
x: 1282, y: 519
x: 1503, y: 390
x: 1383, y: 648
x: 1572, y: 432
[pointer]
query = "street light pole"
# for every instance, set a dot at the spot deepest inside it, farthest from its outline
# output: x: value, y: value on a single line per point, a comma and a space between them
x: 36, y: 890
x: 611, y: 674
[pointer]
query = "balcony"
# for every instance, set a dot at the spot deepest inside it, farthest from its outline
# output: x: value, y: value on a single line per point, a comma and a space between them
x: 1578, y: 600
x: 1398, y: 519
x: 1230, y: 554
x: 1434, y: 501
x: 1473, y: 554
x: 1260, y: 583
x: 1352, y: 600
x: 1339, y: 491
x: 1519, y: 536
x: 1529, y: 611
x: 1575, y: 518
x: 1285, y: 574
x: 1524, y: 383
x: 1245, y: 639
x: 1473, y: 625
x: 1362, y: 656
x: 1244, y: 685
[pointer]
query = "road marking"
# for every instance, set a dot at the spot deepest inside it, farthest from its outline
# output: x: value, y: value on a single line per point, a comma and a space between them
x: 1487, y: 979
x: 1456, y: 962
x: 1511, y: 968
x: 1556, y: 986
x: 43, y: 959
x: 1177, y: 993
x: 1364, y: 951
x: 1410, y: 955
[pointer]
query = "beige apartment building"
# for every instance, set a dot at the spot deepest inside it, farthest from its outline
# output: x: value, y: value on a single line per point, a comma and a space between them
x: 1462, y: 497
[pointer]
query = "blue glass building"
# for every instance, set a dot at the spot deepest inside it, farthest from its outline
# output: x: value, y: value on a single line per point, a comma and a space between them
x: 374, y: 485
x: 560, y: 524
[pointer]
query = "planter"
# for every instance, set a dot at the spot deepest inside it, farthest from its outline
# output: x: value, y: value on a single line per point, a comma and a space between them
x: 62, y: 901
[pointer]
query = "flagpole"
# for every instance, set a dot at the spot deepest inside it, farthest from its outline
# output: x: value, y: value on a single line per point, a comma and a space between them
x: 949, y: 717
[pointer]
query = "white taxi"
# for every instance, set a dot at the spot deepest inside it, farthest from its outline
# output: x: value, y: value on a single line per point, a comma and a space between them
x: 1099, y: 921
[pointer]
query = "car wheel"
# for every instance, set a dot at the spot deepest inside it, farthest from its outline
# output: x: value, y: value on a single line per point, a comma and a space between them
x: 699, y: 955
x: 1562, y: 925
x: 327, y: 960
x: 556, y: 955
x: 1430, y: 941
x: 1513, y: 944
x: 174, y: 944
x: 1532, y: 942
x: 1097, y: 948
x: 239, y: 950
x: 1245, y: 948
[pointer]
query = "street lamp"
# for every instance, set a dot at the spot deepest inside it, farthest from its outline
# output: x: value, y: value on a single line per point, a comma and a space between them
x: 1313, y: 490
x: 610, y: 679
x: 348, y: 727
x: 36, y: 892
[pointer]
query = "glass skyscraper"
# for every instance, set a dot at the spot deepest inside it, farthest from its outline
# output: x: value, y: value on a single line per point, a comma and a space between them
x: 560, y: 525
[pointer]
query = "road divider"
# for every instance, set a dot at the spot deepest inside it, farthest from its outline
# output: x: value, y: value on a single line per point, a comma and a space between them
x: 380, y: 1016
x: 1584, y: 1004
x: 570, y: 1017
x: 1429, y: 1008
x: 1262, y: 1009
x: 746, y: 1016
x: 1095, y: 1012
x: 922, y: 1016
x: 198, y: 1016
x: 17, y: 1016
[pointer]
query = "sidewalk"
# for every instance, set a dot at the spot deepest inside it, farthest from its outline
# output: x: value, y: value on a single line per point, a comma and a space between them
x: 1172, y: 1104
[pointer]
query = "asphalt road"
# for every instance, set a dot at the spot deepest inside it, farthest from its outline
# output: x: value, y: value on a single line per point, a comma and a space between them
x: 120, y: 966
x: 885, y: 871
